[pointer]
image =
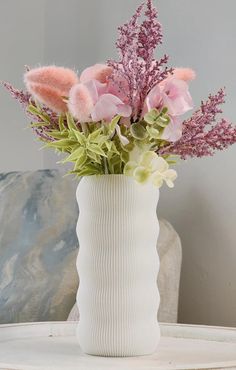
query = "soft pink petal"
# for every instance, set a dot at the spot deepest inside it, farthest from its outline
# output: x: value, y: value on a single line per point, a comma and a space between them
x: 107, y: 107
x: 124, y: 110
x: 99, y: 72
x: 96, y: 89
x: 80, y: 103
x: 153, y: 100
x: 173, y: 131
x: 176, y: 97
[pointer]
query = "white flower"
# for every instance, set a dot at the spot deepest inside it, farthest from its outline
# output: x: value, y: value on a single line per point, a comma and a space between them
x: 151, y: 167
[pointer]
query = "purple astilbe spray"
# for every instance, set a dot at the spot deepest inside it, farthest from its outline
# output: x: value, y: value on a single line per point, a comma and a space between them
x: 21, y: 96
x: 136, y: 45
x: 25, y: 99
x: 202, y: 134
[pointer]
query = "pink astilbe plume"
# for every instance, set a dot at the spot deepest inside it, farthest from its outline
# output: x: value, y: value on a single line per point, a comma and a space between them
x: 202, y: 134
x: 136, y: 44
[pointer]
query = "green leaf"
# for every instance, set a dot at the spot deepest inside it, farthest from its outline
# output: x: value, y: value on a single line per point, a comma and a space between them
x: 37, y: 112
x: 38, y: 124
x: 138, y: 131
x: 129, y: 147
x: 70, y: 122
x: 109, y: 145
x: 151, y: 116
x: 96, y: 149
x: 32, y: 109
x: 81, y: 161
x: 64, y: 143
x: 114, y: 148
x: 95, y: 157
x: 124, y: 156
x: 58, y: 135
x: 61, y: 122
x: 163, y: 121
x: 114, y: 164
x: 80, y: 137
x: 89, y: 170
x: 76, y: 154
x: 113, y: 124
x: 95, y: 134
x: 153, y: 133
x: 164, y: 110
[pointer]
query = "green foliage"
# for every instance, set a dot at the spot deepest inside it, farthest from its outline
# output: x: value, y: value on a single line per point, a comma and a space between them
x: 101, y: 148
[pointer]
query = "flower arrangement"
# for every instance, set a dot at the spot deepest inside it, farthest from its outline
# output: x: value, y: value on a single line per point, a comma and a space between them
x: 125, y: 116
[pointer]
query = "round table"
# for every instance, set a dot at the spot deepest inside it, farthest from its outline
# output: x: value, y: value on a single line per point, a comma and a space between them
x: 53, y: 345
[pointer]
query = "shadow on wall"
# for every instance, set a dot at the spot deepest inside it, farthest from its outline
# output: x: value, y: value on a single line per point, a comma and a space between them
x: 206, y: 271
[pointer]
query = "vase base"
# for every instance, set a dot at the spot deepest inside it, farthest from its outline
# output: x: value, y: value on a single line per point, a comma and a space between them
x: 113, y: 348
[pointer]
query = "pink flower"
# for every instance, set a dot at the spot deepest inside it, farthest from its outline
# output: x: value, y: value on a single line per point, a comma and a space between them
x: 153, y: 100
x: 49, y: 85
x: 173, y: 131
x: 108, y: 106
x: 90, y: 101
x: 176, y: 97
x: 171, y: 93
x: 99, y: 72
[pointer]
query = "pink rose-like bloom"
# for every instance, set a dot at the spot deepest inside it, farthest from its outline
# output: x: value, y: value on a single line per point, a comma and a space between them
x: 173, y: 94
x: 49, y: 85
x: 176, y: 97
x: 108, y: 106
x: 91, y: 101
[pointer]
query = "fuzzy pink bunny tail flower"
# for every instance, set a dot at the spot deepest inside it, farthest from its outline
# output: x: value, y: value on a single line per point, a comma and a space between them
x: 185, y: 74
x: 99, y: 72
x: 49, y: 85
x: 80, y: 103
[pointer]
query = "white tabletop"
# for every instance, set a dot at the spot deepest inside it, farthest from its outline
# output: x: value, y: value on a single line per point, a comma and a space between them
x: 50, y: 346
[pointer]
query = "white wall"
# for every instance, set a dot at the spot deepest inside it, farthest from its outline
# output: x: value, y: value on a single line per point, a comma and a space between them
x: 21, y: 43
x: 202, y: 207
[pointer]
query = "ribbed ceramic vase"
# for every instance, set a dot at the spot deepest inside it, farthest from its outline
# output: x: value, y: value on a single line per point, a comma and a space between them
x: 118, y: 264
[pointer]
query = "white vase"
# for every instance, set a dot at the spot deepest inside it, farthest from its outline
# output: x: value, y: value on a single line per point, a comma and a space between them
x: 118, y: 298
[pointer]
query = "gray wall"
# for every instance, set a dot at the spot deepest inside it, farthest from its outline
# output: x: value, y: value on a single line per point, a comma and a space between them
x: 202, y: 207
x: 22, y: 42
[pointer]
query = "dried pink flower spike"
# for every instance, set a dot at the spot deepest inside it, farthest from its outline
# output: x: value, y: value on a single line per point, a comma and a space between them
x: 185, y: 74
x: 49, y: 85
x: 80, y: 102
